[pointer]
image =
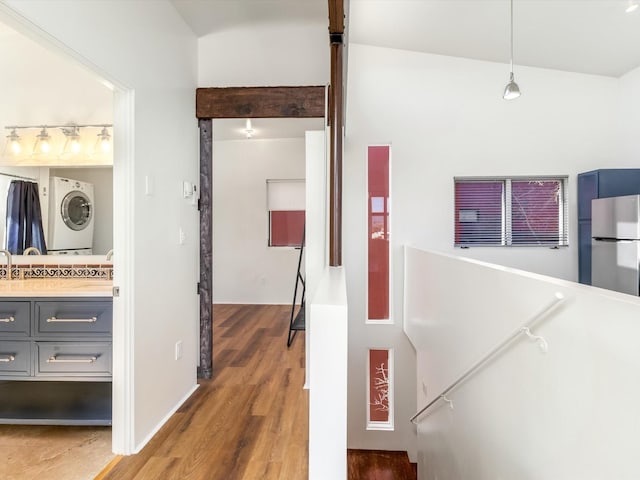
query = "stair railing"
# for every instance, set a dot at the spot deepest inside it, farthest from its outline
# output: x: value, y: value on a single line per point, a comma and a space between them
x: 525, y: 330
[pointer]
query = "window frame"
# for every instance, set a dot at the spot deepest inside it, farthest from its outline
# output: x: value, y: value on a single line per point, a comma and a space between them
x: 506, y: 227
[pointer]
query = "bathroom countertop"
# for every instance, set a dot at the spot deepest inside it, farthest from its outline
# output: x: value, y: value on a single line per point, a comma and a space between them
x: 56, y: 287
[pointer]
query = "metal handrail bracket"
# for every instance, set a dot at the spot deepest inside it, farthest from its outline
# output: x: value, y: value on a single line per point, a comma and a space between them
x: 522, y: 330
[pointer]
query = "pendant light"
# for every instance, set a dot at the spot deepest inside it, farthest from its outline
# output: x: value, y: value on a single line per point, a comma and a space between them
x: 512, y: 90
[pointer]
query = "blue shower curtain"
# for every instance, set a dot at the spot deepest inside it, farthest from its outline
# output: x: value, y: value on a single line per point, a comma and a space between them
x: 24, y: 218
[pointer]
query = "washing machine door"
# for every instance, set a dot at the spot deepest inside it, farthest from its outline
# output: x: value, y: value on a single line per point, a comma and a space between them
x: 76, y: 210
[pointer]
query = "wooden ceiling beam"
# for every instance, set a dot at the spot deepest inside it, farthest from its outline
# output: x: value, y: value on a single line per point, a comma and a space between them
x: 260, y: 102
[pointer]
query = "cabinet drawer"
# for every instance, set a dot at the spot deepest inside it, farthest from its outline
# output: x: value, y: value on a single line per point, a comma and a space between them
x: 81, y: 318
x: 73, y: 358
x: 15, y: 358
x: 14, y: 319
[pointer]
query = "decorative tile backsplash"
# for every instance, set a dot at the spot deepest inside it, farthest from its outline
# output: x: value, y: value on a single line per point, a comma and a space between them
x: 23, y: 272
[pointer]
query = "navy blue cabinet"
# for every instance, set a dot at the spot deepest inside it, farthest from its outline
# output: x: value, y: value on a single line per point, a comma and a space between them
x: 608, y: 182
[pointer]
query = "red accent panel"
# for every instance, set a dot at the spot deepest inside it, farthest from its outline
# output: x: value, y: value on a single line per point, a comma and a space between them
x: 378, y: 215
x: 286, y: 228
x: 379, y: 385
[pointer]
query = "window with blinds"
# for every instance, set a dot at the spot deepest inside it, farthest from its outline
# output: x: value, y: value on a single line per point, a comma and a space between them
x: 526, y: 211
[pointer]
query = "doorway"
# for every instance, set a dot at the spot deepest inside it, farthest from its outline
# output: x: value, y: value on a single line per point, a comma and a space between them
x: 121, y: 116
x: 236, y: 103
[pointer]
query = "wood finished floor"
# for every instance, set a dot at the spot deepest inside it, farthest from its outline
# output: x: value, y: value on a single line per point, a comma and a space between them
x: 250, y: 422
x: 379, y: 465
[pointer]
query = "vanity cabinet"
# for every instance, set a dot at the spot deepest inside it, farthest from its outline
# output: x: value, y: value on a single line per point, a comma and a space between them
x: 55, y: 360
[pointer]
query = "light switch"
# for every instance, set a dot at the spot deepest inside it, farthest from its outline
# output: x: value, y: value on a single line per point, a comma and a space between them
x: 148, y: 185
x: 187, y: 189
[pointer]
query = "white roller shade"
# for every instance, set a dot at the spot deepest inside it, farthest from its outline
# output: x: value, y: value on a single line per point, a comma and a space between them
x: 285, y: 195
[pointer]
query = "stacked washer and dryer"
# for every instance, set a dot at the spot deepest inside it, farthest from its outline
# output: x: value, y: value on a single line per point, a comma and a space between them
x: 70, y: 217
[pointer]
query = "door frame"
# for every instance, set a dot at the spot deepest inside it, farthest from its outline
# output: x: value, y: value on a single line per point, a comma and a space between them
x: 236, y: 102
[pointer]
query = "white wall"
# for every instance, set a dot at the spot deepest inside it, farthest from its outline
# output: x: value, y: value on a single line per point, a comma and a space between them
x: 246, y: 269
x: 265, y: 54
x: 145, y: 48
x: 328, y: 395
x: 570, y: 413
x: 629, y: 118
x: 445, y: 117
x: 102, y: 180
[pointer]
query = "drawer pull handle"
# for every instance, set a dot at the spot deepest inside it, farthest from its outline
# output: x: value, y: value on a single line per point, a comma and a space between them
x: 72, y: 320
x: 7, y: 319
x: 63, y: 359
x: 7, y: 358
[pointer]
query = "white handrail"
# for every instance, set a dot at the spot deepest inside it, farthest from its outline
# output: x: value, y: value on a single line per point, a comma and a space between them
x: 524, y: 329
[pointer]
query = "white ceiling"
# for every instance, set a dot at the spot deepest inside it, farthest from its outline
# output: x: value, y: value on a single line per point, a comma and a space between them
x: 588, y: 36
x: 210, y: 16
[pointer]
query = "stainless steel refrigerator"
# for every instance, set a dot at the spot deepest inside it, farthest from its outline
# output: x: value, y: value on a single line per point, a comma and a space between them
x: 615, y: 243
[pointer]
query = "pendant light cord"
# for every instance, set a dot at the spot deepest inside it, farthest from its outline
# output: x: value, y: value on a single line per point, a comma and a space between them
x: 512, y: 38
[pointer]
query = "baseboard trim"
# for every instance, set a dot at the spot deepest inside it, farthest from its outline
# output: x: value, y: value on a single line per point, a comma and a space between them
x: 148, y: 438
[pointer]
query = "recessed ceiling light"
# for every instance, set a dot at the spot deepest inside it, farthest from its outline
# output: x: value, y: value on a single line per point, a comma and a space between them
x: 633, y: 4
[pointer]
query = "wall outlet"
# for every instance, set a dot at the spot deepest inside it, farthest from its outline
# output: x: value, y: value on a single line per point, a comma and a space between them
x: 182, y: 236
x: 178, y: 349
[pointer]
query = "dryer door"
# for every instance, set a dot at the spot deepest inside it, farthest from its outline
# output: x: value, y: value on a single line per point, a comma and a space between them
x: 76, y: 210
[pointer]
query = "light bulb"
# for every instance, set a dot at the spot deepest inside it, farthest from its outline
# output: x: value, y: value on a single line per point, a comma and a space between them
x: 75, y: 145
x: 632, y: 6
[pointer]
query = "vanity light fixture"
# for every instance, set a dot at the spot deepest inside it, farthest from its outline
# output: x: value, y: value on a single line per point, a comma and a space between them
x: 44, y: 141
x: 42, y: 144
x: 512, y: 90
x: 633, y: 4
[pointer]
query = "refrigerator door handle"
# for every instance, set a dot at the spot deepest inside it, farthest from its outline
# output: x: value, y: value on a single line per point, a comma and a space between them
x: 613, y: 240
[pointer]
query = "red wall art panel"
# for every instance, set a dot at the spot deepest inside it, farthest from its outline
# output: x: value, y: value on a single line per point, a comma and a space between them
x: 378, y: 235
x: 379, y: 387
